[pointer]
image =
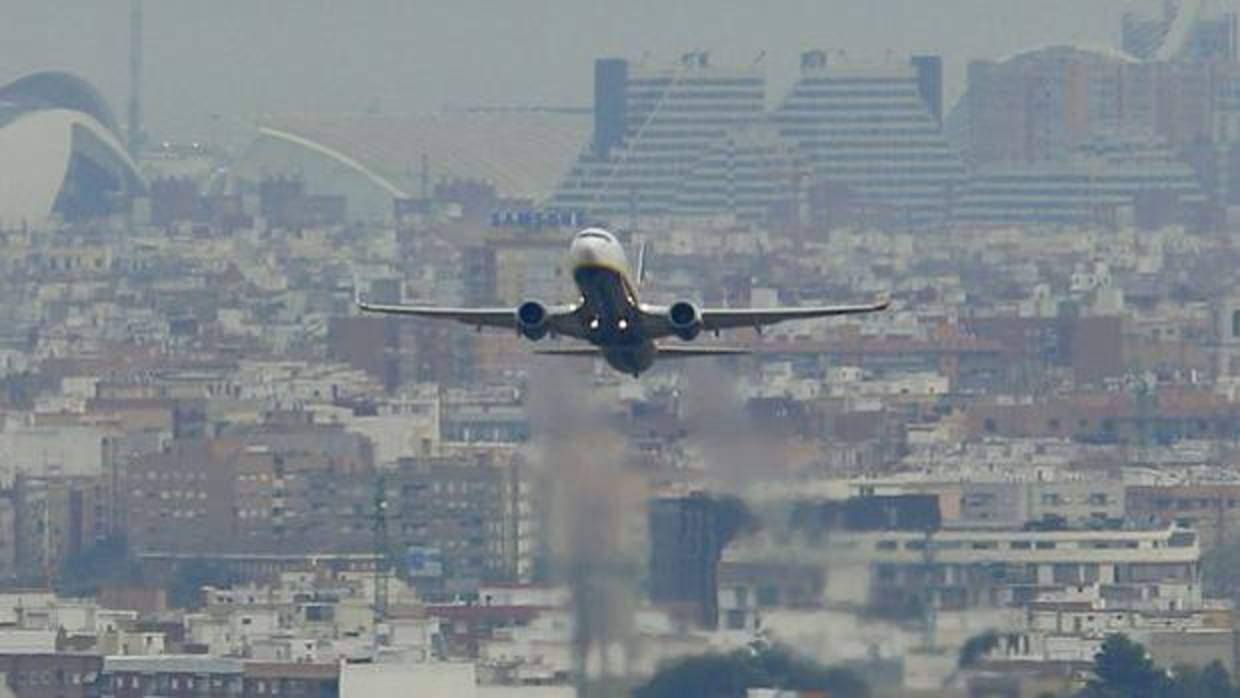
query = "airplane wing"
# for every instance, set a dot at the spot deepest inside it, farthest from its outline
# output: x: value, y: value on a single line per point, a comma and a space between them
x: 728, y: 318
x: 480, y: 317
x: 561, y: 319
x: 714, y: 319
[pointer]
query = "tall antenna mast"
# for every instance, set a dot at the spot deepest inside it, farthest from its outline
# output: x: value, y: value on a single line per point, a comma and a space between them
x: 135, y: 136
x: 381, y: 553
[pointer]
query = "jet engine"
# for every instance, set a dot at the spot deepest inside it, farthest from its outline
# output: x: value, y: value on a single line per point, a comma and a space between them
x: 685, y: 319
x: 532, y: 320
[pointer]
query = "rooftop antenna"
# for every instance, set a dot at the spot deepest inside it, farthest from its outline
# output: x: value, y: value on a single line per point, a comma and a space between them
x: 136, y: 136
x: 424, y: 177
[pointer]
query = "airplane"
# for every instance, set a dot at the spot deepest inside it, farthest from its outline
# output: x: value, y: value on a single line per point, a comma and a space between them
x: 609, y: 316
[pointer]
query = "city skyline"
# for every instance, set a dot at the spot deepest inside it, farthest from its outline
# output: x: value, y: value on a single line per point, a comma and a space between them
x: 240, y: 457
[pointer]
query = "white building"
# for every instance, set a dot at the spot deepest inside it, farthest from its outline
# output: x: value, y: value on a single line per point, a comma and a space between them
x: 51, y: 451
x: 436, y: 679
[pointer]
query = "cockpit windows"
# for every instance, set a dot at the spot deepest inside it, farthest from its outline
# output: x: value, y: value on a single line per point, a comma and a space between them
x: 597, y: 235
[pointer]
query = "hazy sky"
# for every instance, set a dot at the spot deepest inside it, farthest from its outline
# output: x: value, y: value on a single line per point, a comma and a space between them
x: 237, y: 59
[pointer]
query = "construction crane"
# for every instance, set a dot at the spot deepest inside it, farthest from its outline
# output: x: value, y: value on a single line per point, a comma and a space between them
x: 135, y: 135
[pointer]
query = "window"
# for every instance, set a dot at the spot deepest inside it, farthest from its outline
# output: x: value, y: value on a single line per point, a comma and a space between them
x: 978, y: 499
x: 1089, y: 573
x: 735, y: 621
x: 768, y: 595
x: 886, y: 573
x: 1067, y: 574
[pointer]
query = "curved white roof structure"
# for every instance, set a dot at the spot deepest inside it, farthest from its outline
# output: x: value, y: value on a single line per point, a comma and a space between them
x: 523, y: 153
x: 344, y: 160
x: 61, y: 151
x: 372, y: 159
x: 1102, y: 51
x: 1181, y: 27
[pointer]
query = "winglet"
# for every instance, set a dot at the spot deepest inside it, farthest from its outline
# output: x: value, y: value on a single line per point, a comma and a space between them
x: 357, y: 296
x: 641, y: 262
x: 882, y: 301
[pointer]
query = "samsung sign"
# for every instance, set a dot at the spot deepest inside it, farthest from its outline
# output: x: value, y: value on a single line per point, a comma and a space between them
x: 539, y: 219
x: 423, y: 561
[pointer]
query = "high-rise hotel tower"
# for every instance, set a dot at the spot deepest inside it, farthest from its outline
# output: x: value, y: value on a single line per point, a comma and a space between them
x: 876, y: 130
x: 651, y: 124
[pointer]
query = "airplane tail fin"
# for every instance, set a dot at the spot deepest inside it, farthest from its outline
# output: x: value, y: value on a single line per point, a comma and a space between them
x: 641, y: 262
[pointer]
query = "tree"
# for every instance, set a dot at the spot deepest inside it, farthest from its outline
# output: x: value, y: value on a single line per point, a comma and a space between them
x: 707, y: 676
x: 777, y: 667
x: 1210, y: 682
x: 106, y: 562
x: 1220, y: 571
x: 185, y: 587
x: 1215, y: 682
x: 1123, y: 669
x: 977, y: 647
x: 758, y: 666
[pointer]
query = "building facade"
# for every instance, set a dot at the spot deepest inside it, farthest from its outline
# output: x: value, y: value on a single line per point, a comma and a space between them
x: 651, y: 124
x: 877, y: 131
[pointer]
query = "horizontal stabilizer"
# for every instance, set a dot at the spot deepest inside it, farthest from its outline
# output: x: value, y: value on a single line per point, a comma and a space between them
x: 665, y: 352
x: 685, y: 352
x: 569, y: 351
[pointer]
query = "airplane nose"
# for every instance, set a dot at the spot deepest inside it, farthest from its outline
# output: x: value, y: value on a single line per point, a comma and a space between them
x: 584, y: 253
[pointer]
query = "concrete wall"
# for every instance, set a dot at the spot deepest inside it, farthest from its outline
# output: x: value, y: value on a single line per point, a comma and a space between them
x: 1194, y: 648
x: 410, y: 680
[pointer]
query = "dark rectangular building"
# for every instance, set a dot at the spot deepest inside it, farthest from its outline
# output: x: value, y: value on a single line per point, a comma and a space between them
x: 685, y: 548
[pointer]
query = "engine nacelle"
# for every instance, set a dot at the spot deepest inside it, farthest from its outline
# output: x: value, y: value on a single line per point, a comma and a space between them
x: 685, y: 319
x: 532, y: 320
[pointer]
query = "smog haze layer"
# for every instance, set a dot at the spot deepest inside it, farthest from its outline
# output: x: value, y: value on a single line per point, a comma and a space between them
x: 212, y: 66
